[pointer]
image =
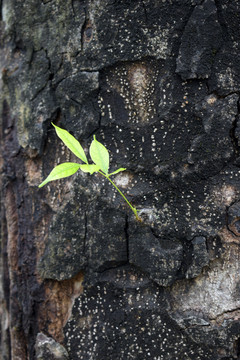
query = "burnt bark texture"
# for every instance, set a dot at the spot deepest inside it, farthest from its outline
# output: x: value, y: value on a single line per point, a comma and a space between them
x: 158, y: 83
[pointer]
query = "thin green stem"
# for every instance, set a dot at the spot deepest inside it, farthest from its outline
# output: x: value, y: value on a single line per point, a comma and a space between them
x: 124, y: 197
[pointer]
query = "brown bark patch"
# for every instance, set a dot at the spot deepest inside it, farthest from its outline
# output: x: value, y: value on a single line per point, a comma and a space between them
x: 57, y: 306
x: 12, y: 229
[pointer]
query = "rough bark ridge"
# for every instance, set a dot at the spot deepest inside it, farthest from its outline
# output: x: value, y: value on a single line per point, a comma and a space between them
x: 158, y: 82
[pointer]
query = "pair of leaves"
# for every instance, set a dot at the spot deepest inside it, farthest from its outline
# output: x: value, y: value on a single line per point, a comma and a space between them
x: 100, y: 156
x: 98, y: 152
x: 71, y: 143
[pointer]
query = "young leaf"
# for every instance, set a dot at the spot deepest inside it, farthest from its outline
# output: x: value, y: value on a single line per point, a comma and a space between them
x: 91, y: 168
x: 61, y: 171
x: 71, y: 143
x: 99, y: 155
x: 117, y: 171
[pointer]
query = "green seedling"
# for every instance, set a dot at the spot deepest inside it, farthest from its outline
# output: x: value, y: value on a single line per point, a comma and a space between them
x: 100, y: 158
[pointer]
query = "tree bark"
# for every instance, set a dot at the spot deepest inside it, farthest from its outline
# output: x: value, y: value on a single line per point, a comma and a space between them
x: 158, y: 83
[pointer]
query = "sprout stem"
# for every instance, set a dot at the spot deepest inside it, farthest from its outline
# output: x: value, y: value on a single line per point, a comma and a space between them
x: 124, y: 197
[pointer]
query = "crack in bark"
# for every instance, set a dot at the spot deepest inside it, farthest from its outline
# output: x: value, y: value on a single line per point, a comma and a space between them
x: 145, y: 11
x: 181, y: 31
x: 127, y: 236
x: 75, y: 101
x: 120, y: 263
x: 85, y: 233
x: 50, y: 77
x: 5, y: 345
x: 1, y: 10
x: 39, y: 91
x: 221, y: 19
x: 219, y: 316
x: 218, y: 96
x: 233, y: 133
x: 83, y: 30
x: 228, y: 223
x: 44, y: 2
x: 73, y: 10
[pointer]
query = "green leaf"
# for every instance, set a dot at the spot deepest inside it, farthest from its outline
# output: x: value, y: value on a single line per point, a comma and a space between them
x: 89, y: 168
x: 61, y: 171
x: 117, y: 171
x: 99, y: 155
x: 71, y: 143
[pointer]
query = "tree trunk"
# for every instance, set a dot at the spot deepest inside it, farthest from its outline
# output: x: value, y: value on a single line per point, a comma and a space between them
x: 158, y: 83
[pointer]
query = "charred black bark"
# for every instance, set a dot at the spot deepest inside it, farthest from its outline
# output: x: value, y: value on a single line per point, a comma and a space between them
x: 158, y: 83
